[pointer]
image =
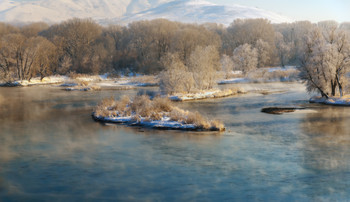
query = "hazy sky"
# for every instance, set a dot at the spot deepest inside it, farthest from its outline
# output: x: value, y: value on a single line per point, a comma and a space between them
x: 313, y: 10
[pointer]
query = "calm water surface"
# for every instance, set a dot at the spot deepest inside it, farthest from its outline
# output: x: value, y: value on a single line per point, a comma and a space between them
x: 51, y: 150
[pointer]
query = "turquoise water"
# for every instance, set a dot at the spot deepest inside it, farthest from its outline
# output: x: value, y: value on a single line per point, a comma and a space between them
x: 51, y: 150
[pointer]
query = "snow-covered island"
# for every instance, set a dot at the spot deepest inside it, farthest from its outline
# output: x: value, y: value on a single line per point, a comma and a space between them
x: 158, y: 113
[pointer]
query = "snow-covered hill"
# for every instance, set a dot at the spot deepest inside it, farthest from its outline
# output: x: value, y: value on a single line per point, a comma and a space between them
x: 59, y: 10
x: 125, y: 11
x: 201, y: 11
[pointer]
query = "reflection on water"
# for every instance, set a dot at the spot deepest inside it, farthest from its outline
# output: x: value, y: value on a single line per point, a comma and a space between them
x: 50, y: 149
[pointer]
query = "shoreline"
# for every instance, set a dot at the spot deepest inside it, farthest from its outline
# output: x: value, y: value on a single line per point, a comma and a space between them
x: 333, y: 101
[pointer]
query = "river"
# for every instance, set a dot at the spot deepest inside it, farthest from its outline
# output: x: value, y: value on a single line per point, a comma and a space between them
x: 51, y: 150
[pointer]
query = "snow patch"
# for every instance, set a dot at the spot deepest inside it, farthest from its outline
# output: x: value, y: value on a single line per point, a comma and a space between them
x: 215, y: 93
x: 164, y: 123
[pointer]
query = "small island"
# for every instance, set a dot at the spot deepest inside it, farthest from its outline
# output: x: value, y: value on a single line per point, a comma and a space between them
x: 158, y: 113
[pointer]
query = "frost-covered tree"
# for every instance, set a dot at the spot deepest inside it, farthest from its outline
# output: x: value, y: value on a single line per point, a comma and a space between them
x: 175, y: 77
x: 293, y: 34
x: 204, y: 64
x: 283, y: 49
x: 264, y: 52
x: 325, y: 62
x: 226, y: 64
x: 245, y: 58
x: 199, y: 74
x: 250, y: 31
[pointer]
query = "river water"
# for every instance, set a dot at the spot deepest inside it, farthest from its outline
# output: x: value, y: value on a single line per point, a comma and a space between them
x: 51, y: 150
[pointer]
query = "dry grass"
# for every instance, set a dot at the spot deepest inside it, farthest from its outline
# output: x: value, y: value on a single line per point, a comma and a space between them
x: 150, y: 110
x: 229, y: 92
x: 178, y: 115
x: 95, y: 88
x: 278, y: 75
x: 162, y: 104
x: 142, y: 105
x: 83, y: 83
x: 74, y: 75
x: 152, y: 80
x: 195, y: 118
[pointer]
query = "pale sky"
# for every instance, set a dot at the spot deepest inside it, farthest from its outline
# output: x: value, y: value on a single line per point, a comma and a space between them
x: 312, y: 10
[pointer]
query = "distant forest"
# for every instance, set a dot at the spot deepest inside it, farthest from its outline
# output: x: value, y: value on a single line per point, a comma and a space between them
x: 83, y: 46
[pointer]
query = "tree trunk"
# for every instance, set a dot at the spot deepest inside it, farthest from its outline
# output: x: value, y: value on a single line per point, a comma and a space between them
x: 334, y: 86
x: 339, y: 86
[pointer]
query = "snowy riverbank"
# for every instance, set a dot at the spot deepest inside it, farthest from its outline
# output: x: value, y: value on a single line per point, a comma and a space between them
x: 337, y: 101
x: 87, y: 82
x: 215, y: 93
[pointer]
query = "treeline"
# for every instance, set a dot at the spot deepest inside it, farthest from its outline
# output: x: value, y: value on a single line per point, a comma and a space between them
x: 149, y: 47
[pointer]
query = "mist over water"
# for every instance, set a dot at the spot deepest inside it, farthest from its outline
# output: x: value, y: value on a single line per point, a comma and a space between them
x: 51, y: 149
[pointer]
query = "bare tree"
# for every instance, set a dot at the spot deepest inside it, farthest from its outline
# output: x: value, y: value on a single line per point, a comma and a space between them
x: 46, y: 57
x: 75, y: 38
x: 5, y: 61
x: 33, y: 29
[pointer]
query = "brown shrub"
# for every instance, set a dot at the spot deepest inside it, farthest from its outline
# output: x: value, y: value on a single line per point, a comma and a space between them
x: 156, y: 116
x: 162, y: 104
x: 197, y: 119
x: 178, y: 115
x: 142, y: 105
x: 100, y: 111
x: 122, y: 104
x: 215, y: 124
x: 108, y: 102
x: 83, y: 83
x: 136, y: 118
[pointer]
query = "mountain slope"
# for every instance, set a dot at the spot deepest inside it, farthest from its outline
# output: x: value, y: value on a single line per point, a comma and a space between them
x: 59, y: 10
x: 195, y: 11
x: 125, y: 11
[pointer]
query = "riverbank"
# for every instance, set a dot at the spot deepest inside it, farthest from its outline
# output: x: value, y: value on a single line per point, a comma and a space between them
x: 215, y: 93
x: 336, y: 101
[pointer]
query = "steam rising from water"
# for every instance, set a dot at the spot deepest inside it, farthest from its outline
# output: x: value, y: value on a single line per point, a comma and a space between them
x: 51, y: 149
